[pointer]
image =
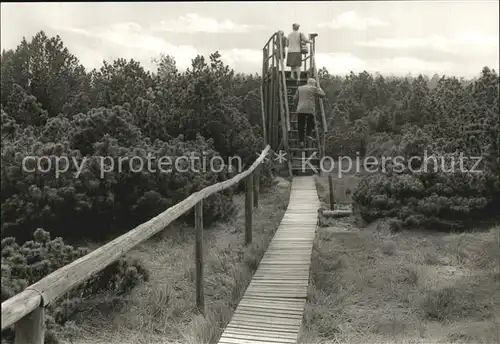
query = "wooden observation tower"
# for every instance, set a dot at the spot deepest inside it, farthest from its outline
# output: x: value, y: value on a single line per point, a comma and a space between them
x: 278, y: 108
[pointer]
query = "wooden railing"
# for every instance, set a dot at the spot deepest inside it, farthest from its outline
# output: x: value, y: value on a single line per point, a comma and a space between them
x: 274, y: 95
x: 307, y: 58
x: 312, y: 71
x: 315, y: 71
x: 321, y: 105
x: 283, y: 89
x: 26, y: 309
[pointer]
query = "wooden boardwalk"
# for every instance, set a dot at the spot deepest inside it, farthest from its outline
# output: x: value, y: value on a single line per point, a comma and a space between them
x: 271, y: 308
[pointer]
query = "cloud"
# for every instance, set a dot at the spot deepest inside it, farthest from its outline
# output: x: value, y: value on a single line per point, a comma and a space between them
x: 351, y: 20
x: 243, y: 60
x: 405, y: 65
x: 133, y: 41
x: 463, y: 42
x: 343, y: 63
x: 130, y: 40
x: 242, y: 55
x: 193, y: 22
x: 340, y: 62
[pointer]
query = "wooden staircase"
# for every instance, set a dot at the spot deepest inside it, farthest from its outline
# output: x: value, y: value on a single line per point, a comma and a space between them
x: 279, y: 117
x: 306, y: 160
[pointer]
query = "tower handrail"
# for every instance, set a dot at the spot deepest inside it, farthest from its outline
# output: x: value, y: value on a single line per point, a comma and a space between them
x: 315, y: 71
x: 282, y: 65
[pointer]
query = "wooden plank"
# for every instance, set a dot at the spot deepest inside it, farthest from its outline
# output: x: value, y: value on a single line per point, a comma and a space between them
x: 271, y: 326
x: 256, y: 336
x: 291, y: 283
x: 260, y: 313
x: 280, y: 278
x: 294, y: 289
x: 268, y: 328
x: 243, y: 341
x: 266, y: 320
x: 271, y: 308
x: 272, y: 277
x: 261, y: 333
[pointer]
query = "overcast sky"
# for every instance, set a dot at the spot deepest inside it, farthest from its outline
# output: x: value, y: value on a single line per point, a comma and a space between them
x: 454, y: 38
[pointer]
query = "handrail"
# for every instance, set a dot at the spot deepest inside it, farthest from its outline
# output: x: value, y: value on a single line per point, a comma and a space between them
x: 270, y: 39
x: 49, y: 288
x: 283, y: 77
x: 285, y: 113
x: 322, y: 108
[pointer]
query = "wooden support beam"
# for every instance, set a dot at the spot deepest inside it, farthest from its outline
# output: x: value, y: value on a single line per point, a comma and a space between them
x: 198, y: 219
x: 256, y: 187
x: 248, y: 209
x: 336, y: 213
x: 264, y: 109
x: 330, y: 186
x: 31, y: 328
x: 283, y: 78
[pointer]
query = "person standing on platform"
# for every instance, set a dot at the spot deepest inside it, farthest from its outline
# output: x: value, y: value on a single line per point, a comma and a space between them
x: 296, y: 40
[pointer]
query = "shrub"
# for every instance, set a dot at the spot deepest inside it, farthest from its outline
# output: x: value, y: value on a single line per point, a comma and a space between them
x: 23, y: 265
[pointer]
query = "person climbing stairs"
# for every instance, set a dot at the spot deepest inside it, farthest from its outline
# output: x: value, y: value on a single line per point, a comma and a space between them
x: 302, y: 109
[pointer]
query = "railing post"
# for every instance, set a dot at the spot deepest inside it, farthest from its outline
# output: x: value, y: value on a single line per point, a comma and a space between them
x: 283, y: 80
x: 248, y: 209
x: 256, y: 187
x: 330, y: 186
x: 312, y: 37
x: 263, y: 112
x: 265, y: 97
x: 31, y: 328
x: 198, y: 220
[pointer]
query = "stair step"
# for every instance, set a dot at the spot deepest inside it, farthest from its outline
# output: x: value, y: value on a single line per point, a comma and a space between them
x: 303, y: 74
x: 306, y: 166
x: 305, y: 170
x: 303, y: 149
x: 297, y: 130
x: 304, y: 155
x: 292, y: 84
x: 297, y: 161
x: 305, y: 146
x: 313, y: 140
x: 301, y: 173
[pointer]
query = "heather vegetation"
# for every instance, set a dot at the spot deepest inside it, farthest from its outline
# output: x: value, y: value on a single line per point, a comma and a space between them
x: 441, y: 119
x: 52, y: 106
